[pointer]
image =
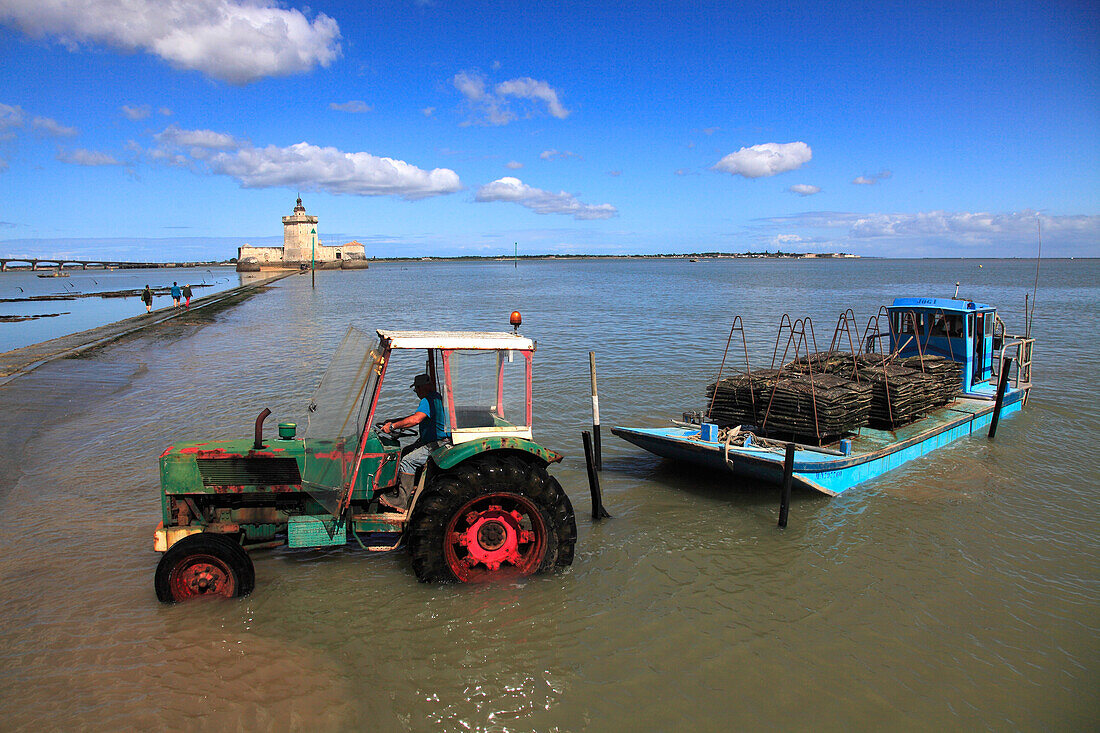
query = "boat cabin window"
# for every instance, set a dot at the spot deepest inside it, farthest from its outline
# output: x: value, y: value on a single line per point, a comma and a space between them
x: 909, y: 323
x: 946, y: 325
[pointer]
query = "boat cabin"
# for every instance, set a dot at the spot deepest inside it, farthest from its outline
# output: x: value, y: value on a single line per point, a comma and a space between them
x: 961, y: 330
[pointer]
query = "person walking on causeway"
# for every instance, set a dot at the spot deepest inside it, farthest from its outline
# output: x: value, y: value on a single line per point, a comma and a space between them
x: 147, y: 298
x: 187, y: 295
x: 176, y: 295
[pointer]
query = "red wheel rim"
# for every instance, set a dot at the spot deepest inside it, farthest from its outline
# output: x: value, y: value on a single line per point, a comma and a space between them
x: 202, y: 575
x: 495, y: 536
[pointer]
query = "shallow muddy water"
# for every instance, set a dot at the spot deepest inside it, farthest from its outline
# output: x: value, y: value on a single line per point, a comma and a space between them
x: 959, y: 591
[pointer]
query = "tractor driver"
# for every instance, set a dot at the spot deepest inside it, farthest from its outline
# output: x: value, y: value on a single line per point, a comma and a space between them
x: 431, y: 416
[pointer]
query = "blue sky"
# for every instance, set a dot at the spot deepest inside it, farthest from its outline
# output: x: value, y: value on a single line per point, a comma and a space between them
x: 156, y: 131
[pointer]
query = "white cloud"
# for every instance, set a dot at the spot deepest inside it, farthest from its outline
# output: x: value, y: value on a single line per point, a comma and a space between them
x: 557, y: 155
x: 514, y: 165
x: 10, y: 118
x: 769, y: 159
x: 779, y: 241
x: 492, y: 107
x: 944, y: 232
x: 470, y: 85
x: 205, y: 139
x: 302, y: 166
x: 136, y: 112
x: 81, y: 156
x: 355, y: 106
x: 804, y: 189
x: 872, y: 180
x: 528, y: 88
x: 237, y: 41
x: 960, y: 226
x: 53, y: 127
x: 542, y: 202
x: 428, y: 111
x: 165, y: 111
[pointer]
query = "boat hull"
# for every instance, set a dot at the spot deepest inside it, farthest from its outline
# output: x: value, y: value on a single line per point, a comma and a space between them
x: 874, y: 452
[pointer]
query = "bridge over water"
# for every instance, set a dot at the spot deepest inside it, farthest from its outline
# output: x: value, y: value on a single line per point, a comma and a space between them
x: 47, y: 263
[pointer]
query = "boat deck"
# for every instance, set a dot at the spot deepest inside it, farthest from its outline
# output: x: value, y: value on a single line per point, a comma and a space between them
x: 873, y: 451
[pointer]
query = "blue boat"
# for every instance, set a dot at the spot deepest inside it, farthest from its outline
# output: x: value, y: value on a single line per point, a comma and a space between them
x: 963, y: 331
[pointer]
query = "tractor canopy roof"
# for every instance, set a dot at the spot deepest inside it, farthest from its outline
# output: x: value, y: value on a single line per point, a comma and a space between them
x: 456, y: 340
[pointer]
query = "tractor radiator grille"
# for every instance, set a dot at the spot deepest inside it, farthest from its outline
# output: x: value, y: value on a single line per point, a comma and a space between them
x: 248, y: 471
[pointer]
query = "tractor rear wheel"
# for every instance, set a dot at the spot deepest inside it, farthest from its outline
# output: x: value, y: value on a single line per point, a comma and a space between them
x: 204, y: 564
x: 491, y: 518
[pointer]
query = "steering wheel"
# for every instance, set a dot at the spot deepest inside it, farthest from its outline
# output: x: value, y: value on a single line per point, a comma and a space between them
x: 396, y: 433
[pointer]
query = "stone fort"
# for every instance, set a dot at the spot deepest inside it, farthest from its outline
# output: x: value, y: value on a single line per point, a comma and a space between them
x: 300, y: 248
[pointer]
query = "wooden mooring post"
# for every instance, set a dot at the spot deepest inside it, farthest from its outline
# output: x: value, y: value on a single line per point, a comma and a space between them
x: 1006, y: 367
x: 788, y: 479
x: 598, y: 511
x: 598, y: 449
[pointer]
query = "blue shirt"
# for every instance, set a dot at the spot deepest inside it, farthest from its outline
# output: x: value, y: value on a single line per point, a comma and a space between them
x: 175, y: 291
x: 433, y: 427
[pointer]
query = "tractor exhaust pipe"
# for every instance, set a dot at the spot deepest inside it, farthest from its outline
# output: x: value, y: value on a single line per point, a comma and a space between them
x: 259, y: 442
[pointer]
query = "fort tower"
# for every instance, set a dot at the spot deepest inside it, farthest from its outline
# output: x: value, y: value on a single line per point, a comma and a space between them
x: 298, y: 236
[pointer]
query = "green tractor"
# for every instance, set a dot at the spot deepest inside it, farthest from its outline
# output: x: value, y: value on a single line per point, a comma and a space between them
x: 482, y: 507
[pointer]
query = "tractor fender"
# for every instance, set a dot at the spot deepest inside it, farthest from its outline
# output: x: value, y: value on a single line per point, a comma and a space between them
x: 449, y: 456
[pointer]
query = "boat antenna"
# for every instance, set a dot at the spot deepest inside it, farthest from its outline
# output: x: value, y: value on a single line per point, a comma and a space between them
x: 956, y: 295
x: 1030, y: 317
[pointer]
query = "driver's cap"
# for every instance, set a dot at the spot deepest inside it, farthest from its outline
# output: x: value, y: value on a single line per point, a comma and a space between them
x: 421, y: 380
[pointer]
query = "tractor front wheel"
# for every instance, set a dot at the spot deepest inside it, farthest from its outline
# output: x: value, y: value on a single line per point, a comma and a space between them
x: 491, y: 518
x: 204, y: 565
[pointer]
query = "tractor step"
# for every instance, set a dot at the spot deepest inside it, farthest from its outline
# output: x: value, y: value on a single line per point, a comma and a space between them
x: 383, y: 522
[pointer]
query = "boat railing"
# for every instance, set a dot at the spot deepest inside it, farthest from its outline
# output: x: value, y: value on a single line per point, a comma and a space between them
x: 845, y: 325
x: 738, y: 325
x: 800, y: 341
x: 1020, y: 349
x: 873, y: 333
x: 797, y: 336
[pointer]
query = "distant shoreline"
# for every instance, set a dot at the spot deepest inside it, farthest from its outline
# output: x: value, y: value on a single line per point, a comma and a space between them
x: 551, y: 257
x: 694, y: 256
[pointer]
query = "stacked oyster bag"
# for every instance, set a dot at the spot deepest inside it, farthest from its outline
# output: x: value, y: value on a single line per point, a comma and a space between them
x: 829, y: 362
x: 814, y: 408
x: 947, y: 373
x: 898, y: 395
x: 806, y: 407
x: 738, y: 398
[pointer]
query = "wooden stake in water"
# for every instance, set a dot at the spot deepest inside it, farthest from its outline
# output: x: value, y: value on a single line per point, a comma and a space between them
x: 515, y: 257
x: 788, y: 478
x: 595, y: 411
x: 1006, y: 367
x: 598, y: 511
